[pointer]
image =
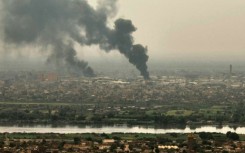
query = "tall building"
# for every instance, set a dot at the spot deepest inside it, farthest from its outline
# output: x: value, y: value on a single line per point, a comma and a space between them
x: 230, y: 69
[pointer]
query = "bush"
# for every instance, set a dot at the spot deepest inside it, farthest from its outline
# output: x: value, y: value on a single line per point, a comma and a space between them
x: 232, y: 136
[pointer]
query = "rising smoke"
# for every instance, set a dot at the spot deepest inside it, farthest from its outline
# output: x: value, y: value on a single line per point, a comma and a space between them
x: 58, y: 24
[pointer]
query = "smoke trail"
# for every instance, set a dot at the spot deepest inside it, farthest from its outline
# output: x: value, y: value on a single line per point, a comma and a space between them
x: 58, y: 24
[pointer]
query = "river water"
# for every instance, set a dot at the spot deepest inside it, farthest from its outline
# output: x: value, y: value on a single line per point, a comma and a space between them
x: 116, y: 128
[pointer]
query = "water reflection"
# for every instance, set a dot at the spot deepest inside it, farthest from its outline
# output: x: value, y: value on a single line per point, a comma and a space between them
x: 118, y: 128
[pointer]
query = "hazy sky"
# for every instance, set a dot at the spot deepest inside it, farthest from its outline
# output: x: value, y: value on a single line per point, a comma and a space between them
x: 181, y: 30
x: 207, y: 30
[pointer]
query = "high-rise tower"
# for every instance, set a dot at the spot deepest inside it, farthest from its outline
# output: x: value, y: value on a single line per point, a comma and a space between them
x: 230, y: 69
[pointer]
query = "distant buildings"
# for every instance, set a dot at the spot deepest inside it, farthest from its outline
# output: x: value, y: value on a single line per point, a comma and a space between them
x: 230, y: 69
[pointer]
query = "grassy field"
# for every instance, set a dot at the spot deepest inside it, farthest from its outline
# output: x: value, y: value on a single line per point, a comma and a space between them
x: 179, y: 113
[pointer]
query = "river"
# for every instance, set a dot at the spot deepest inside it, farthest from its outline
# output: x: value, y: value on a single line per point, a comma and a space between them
x: 116, y: 128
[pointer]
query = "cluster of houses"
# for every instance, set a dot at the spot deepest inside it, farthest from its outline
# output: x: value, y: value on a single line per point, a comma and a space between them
x: 192, y: 144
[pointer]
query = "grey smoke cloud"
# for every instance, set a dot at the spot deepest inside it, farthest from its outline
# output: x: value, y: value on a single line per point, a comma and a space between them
x: 58, y: 24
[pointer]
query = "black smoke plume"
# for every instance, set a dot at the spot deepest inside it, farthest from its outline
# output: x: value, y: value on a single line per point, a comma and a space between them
x: 58, y: 24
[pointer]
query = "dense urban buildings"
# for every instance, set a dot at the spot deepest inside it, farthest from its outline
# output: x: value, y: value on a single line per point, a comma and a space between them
x: 122, y: 142
x: 44, y: 97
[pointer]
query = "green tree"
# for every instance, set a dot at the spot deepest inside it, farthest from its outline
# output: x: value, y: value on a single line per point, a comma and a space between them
x: 77, y: 140
x: 232, y: 136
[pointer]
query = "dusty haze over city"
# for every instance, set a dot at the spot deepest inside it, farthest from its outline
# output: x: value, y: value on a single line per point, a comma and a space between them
x: 150, y: 76
x: 205, y: 32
